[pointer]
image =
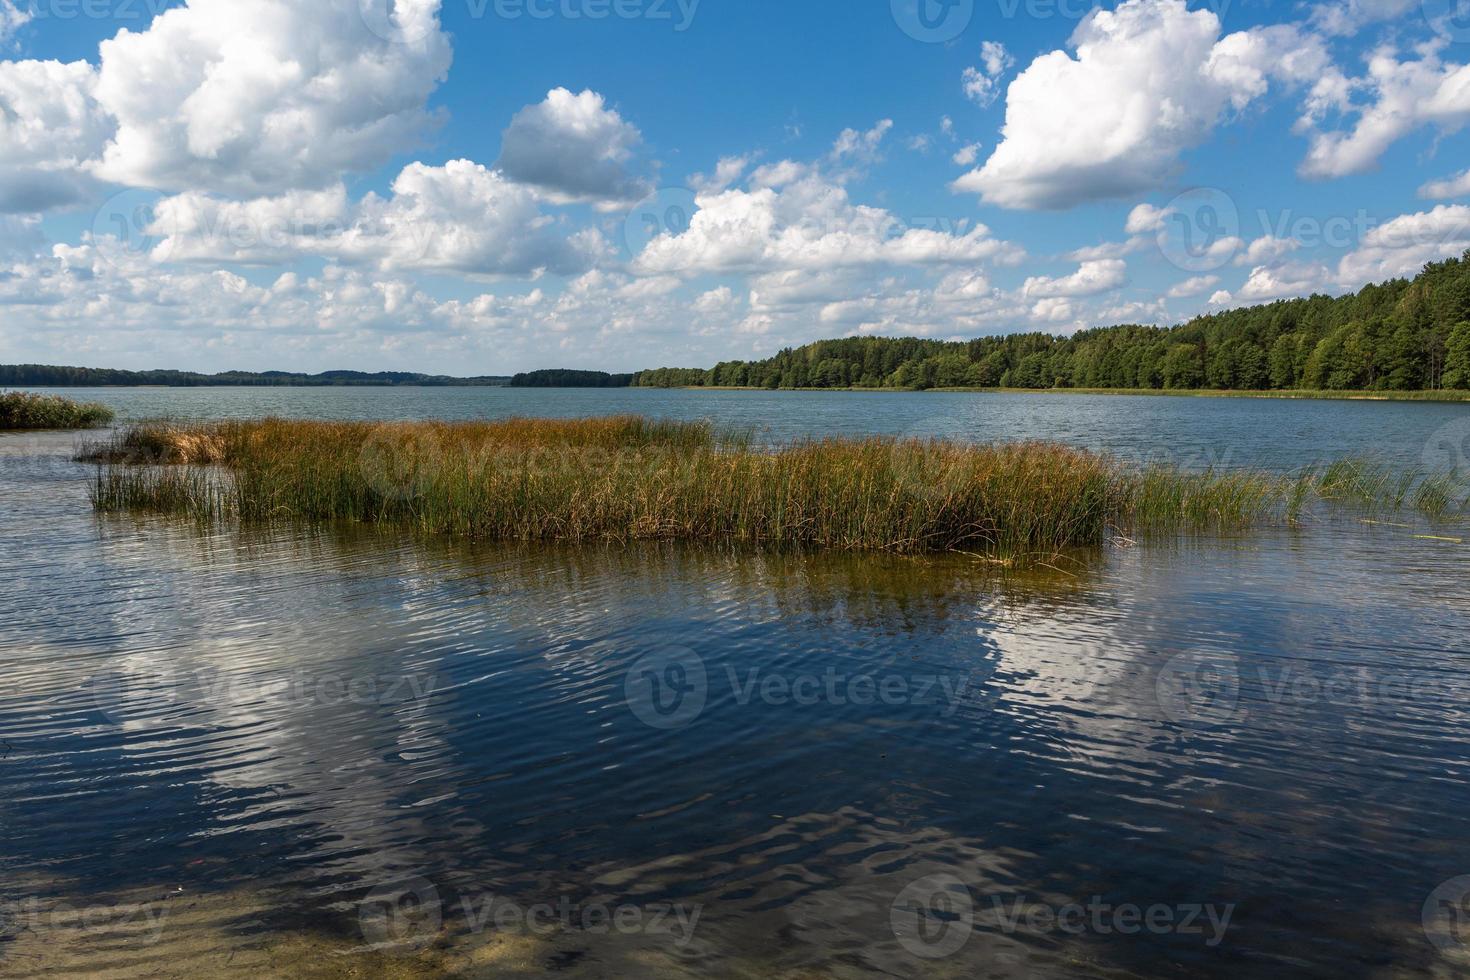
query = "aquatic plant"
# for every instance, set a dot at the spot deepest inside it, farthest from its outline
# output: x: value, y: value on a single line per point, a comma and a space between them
x: 27, y: 410
x: 626, y: 477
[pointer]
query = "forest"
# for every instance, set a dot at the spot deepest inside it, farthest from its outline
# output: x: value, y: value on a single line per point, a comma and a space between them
x: 1401, y: 335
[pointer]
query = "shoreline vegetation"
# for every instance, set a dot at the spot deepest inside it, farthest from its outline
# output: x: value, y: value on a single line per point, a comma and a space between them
x: 627, y: 478
x: 23, y: 410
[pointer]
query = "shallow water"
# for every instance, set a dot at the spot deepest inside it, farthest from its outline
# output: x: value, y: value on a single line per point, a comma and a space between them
x: 306, y: 753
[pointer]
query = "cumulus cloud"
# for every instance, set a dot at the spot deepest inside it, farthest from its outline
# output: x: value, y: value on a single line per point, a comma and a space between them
x: 1193, y: 286
x: 573, y: 147
x: 1149, y: 80
x: 809, y: 223
x: 1280, y: 281
x: 1457, y: 185
x: 1267, y: 248
x: 1403, y: 245
x: 861, y: 147
x: 459, y: 218
x: 982, y: 84
x: 1091, y: 278
x: 50, y: 126
x: 1404, y: 96
x: 12, y: 19
x: 256, y: 97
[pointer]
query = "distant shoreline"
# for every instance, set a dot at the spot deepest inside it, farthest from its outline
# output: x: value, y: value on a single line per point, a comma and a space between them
x: 1443, y: 395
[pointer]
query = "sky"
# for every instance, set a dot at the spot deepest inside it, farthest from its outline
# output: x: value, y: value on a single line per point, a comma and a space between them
x: 477, y: 187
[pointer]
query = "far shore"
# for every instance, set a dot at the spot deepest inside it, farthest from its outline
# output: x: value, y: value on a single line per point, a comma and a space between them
x: 1443, y: 395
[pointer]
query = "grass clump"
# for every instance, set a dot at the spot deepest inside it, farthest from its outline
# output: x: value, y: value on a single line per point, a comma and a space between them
x: 626, y: 478
x: 27, y: 410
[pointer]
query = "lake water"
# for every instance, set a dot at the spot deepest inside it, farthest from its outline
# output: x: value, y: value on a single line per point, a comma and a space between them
x: 287, y: 752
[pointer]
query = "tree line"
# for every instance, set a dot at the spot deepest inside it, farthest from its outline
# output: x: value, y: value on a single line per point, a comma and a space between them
x: 81, y: 377
x: 1401, y: 335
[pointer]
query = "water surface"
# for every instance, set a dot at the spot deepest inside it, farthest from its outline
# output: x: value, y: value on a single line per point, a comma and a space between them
x: 293, y: 752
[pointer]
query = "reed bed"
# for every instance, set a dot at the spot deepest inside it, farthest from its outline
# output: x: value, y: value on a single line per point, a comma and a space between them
x: 26, y: 410
x: 626, y: 478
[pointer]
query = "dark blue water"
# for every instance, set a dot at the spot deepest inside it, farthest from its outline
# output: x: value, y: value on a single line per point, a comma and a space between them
x: 297, y: 753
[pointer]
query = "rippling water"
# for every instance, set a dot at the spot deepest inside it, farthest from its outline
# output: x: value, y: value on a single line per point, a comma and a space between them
x: 290, y: 752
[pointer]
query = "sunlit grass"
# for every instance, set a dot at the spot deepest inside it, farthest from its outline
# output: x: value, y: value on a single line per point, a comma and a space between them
x: 628, y: 478
x: 26, y: 410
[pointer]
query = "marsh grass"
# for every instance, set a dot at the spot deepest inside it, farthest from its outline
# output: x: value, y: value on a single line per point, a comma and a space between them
x: 27, y: 410
x: 628, y: 478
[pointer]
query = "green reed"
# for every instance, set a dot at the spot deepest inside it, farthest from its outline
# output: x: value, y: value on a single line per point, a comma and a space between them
x: 627, y: 478
x: 26, y: 410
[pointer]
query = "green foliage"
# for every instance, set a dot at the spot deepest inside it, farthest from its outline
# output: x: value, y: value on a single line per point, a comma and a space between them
x: 1396, y: 336
x: 25, y: 410
x: 571, y: 379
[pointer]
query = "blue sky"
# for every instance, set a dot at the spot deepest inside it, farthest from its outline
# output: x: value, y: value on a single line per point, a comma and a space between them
x: 449, y: 185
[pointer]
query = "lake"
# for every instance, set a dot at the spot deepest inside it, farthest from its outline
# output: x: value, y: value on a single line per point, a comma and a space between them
x: 282, y: 751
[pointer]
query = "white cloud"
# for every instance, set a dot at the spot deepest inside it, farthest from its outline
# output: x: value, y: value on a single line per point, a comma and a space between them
x: 574, y: 148
x: 1266, y: 249
x: 1281, y: 281
x: 809, y: 223
x: 50, y: 126
x: 459, y: 218
x: 1091, y: 278
x: 1456, y: 185
x: 1221, y: 298
x: 982, y: 85
x: 861, y: 147
x: 12, y: 19
x: 256, y: 97
x: 727, y: 171
x: 966, y: 155
x: 1193, y: 286
x: 1150, y: 79
x: 1403, y: 245
x: 1406, y: 95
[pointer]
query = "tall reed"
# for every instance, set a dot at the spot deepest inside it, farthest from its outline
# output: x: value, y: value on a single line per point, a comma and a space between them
x: 27, y: 410
x: 626, y: 478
